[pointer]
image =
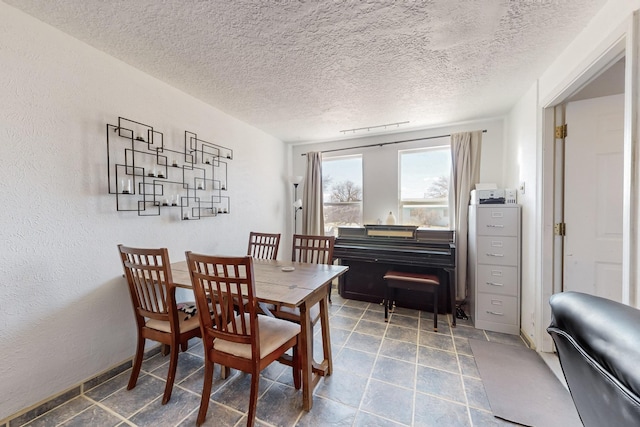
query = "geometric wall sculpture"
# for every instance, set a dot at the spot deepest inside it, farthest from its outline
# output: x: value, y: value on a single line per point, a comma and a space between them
x: 149, y: 178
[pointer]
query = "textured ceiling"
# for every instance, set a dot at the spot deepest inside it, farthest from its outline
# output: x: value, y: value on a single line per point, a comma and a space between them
x: 305, y: 70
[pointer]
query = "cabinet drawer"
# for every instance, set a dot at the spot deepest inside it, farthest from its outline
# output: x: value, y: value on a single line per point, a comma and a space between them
x: 497, y: 308
x: 497, y: 250
x: 497, y: 279
x: 497, y: 221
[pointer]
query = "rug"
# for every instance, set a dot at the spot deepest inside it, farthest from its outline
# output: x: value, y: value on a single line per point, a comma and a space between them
x: 521, y: 388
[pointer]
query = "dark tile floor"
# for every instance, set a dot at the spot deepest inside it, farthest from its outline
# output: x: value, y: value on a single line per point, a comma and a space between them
x: 399, y: 373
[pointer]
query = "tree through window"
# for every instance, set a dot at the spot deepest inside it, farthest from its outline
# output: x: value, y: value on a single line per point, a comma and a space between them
x: 342, y: 192
x: 424, y: 186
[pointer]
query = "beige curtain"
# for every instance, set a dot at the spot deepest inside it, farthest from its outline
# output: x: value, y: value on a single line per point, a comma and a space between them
x: 465, y: 171
x: 312, y: 213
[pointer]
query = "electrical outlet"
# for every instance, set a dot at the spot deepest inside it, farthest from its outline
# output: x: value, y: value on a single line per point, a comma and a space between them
x: 521, y: 188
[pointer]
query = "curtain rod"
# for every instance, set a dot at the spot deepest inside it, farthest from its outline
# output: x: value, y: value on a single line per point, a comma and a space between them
x: 386, y: 143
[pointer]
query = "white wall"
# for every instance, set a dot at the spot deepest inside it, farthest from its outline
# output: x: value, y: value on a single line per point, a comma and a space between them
x: 65, y: 313
x: 521, y: 165
x: 380, y: 164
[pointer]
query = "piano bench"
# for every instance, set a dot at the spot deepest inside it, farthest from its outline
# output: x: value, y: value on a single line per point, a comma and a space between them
x: 414, y: 282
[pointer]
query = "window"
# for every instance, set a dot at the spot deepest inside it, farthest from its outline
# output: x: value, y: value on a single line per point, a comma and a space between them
x: 424, y: 187
x: 342, y: 192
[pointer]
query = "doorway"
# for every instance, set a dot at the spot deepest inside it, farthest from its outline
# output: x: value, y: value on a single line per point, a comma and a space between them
x: 609, y: 68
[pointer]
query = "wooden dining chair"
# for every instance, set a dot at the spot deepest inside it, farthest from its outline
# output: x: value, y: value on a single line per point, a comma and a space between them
x: 239, y: 338
x: 314, y: 250
x: 154, y: 306
x: 263, y: 245
x: 310, y: 249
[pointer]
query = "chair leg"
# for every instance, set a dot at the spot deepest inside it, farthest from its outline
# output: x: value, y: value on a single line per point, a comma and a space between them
x: 225, y: 371
x: 206, y: 391
x: 137, y: 363
x: 164, y: 349
x: 171, y: 375
x: 253, y: 399
x: 297, y: 378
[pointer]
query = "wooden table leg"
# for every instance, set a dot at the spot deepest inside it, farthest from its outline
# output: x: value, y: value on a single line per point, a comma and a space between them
x: 326, y: 336
x: 305, y: 348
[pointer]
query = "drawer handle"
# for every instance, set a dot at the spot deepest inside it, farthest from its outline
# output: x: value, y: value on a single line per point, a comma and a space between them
x: 495, y: 313
x: 495, y: 225
x: 495, y: 255
x: 494, y: 284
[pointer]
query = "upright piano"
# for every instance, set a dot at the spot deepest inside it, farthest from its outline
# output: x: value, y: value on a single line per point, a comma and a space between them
x: 372, y: 250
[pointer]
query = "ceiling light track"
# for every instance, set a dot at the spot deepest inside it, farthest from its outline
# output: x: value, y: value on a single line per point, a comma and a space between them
x: 368, y: 128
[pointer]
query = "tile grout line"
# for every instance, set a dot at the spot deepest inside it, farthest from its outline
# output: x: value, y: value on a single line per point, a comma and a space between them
x: 415, y: 370
x: 464, y: 388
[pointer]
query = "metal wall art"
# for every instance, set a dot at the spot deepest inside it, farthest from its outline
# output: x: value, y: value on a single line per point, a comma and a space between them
x: 149, y: 178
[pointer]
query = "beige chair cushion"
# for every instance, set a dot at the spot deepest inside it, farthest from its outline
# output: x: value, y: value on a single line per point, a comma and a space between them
x: 185, y: 325
x: 314, y: 312
x: 273, y: 333
x: 187, y: 322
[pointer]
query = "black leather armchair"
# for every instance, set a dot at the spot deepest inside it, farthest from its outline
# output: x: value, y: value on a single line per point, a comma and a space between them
x: 598, y: 344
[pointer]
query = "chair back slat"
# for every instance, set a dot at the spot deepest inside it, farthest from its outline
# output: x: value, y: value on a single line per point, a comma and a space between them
x: 224, y: 281
x: 313, y: 249
x: 152, y: 294
x: 263, y: 245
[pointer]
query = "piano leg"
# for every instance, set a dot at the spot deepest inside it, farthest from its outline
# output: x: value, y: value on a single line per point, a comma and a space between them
x: 435, y: 308
x: 389, y: 297
x: 385, y: 301
x: 452, y: 294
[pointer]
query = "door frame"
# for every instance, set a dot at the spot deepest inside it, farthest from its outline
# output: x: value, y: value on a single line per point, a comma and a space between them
x: 622, y: 43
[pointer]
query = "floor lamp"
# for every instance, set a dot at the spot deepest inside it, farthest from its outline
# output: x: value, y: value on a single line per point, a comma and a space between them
x: 297, y: 204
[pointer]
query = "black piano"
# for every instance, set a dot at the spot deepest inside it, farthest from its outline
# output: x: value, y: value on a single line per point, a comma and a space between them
x: 372, y: 250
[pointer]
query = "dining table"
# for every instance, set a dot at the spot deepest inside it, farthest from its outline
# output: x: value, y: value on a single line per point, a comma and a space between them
x: 296, y: 285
